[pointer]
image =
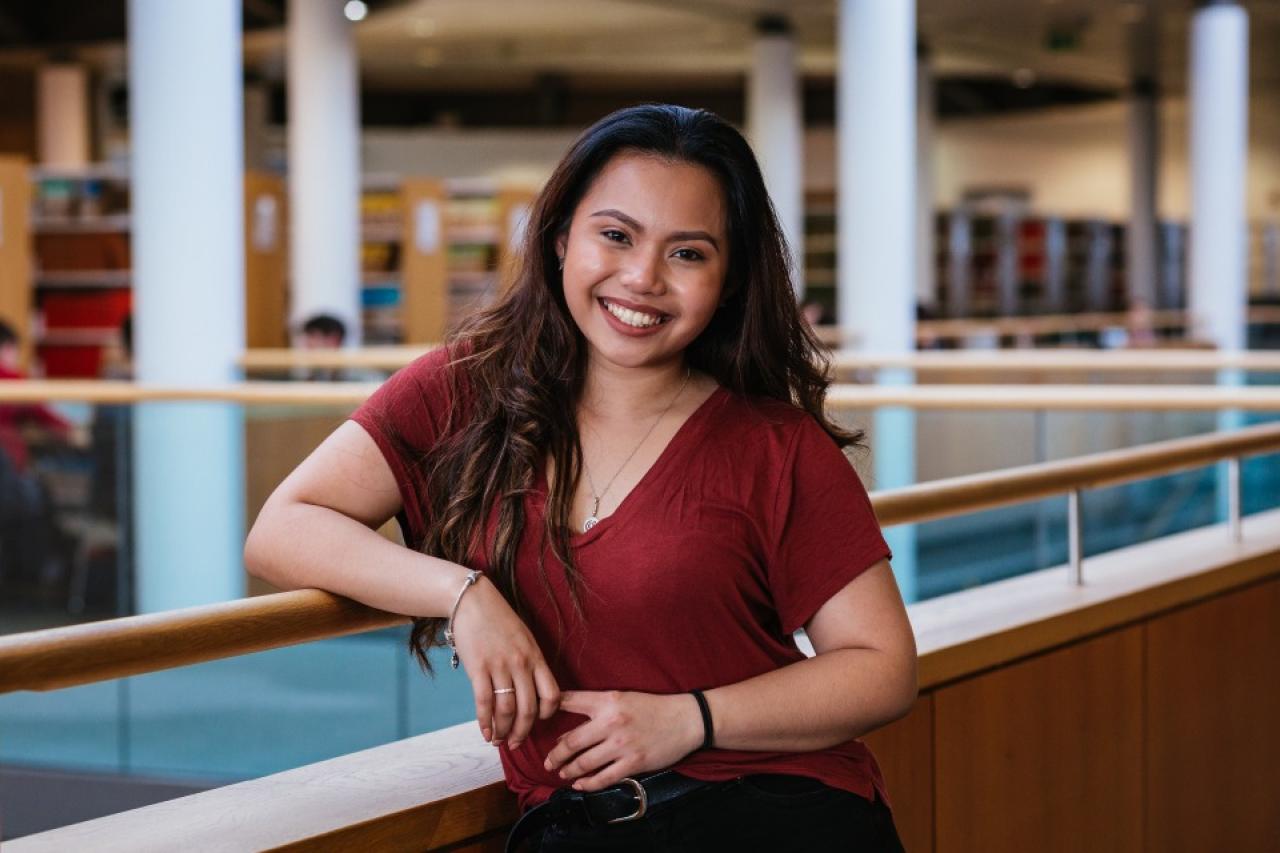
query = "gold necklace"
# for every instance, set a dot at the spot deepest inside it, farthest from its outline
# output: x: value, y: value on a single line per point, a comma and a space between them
x: 593, y: 519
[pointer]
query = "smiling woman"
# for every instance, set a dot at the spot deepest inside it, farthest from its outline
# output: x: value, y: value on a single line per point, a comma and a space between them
x: 621, y: 497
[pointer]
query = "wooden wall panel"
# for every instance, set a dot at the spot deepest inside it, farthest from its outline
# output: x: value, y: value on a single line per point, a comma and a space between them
x: 515, y: 205
x: 904, y: 751
x: 266, y: 261
x: 15, y: 249
x: 1044, y: 755
x: 1213, y: 724
x: 424, y: 282
x: 274, y: 444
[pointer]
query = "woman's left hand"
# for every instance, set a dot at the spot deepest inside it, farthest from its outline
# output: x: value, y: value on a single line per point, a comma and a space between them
x: 628, y: 733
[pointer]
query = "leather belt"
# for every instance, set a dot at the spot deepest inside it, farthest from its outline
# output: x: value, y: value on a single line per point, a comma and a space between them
x: 628, y: 800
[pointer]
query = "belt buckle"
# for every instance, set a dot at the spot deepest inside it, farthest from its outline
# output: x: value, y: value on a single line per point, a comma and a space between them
x: 641, y: 795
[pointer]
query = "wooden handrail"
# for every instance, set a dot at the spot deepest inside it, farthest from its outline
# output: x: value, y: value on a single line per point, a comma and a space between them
x: 81, y: 654
x: 114, y: 648
x: 996, y: 361
x: 842, y: 397
x: 1086, y: 398
x: 1049, y: 324
x: 257, y: 393
x: 976, y: 492
x: 1063, y: 360
x: 361, y: 358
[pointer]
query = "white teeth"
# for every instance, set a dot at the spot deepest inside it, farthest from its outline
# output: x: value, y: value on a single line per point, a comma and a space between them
x: 631, y: 318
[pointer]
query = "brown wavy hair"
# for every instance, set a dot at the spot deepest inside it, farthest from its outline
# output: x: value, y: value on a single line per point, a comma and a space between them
x: 518, y: 366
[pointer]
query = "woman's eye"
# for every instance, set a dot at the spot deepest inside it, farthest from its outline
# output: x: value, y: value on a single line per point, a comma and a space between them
x: 614, y: 235
x: 688, y: 254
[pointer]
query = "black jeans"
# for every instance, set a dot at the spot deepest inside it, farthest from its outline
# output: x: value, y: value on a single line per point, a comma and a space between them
x: 753, y: 813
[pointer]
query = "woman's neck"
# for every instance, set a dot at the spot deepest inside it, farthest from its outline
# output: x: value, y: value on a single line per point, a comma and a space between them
x: 611, y: 391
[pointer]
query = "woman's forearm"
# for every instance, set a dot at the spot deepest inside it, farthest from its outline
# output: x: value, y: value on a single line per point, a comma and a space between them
x: 297, y: 545
x: 813, y: 704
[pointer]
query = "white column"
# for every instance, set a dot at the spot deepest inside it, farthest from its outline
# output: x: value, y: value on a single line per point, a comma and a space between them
x: 926, y: 272
x: 1219, y: 89
x: 1144, y: 155
x: 876, y: 143
x: 324, y: 164
x: 62, y: 115
x: 775, y: 119
x: 876, y: 221
x: 188, y: 256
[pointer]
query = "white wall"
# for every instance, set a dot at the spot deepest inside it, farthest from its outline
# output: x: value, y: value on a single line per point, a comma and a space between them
x: 1073, y: 160
x: 511, y: 156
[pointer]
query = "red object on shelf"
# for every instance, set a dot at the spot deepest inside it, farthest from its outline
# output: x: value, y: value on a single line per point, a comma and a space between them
x: 97, y: 309
x: 87, y: 251
x: 70, y: 362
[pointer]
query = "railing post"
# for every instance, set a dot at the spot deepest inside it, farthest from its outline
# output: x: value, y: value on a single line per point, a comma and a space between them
x: 1233, y: 498
x: 1075, y: 544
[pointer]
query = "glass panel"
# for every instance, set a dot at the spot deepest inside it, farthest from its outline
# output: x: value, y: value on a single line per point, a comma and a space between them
x: 258, y: 714
x: 262, y: 713
x: 79, y: 727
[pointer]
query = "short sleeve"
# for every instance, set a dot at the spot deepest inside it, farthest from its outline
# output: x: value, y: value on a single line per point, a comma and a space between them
x: 824, y: 531
x: 406, y: 417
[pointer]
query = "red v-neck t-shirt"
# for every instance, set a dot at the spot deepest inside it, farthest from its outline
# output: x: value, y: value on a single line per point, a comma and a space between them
x: 749, y: 521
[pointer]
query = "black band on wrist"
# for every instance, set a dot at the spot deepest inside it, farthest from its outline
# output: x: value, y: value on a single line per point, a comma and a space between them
x: 709, y: 732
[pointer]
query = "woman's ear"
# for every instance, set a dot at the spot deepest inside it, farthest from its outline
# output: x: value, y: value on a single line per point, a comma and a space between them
x: 562, y: 245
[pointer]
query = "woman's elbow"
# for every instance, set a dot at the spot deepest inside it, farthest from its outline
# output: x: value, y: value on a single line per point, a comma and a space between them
x: 910, y: 690
x: 258, y: 549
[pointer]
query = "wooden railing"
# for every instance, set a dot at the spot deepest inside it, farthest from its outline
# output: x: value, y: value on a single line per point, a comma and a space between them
x: 992, y: 361
x: 841, y: 397
x: 82, y: 654
x: 1030, y: 639
x: 1049, y: 324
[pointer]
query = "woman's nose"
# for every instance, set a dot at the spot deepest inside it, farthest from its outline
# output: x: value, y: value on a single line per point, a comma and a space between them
x: 643, y: 273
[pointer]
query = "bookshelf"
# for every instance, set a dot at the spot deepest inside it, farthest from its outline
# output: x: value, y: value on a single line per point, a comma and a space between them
x: 432, y: 252
x: 80, y: 284
x: 820, y: 251
x: 81, y: 274
x: 381, y: 231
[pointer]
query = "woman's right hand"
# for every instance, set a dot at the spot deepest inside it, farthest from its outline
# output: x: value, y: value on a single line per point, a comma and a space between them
x: 498, y: 650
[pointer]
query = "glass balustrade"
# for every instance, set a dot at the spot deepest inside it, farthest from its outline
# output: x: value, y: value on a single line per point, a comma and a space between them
x: 67, y: 555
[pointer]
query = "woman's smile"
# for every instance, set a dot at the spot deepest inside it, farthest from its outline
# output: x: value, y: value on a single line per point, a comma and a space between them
x: 631, y: 319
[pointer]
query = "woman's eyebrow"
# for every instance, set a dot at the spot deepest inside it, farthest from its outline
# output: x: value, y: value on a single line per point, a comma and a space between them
x: 678, y: 235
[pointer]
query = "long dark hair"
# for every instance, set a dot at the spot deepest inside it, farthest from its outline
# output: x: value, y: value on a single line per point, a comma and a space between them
x: 519, y: 365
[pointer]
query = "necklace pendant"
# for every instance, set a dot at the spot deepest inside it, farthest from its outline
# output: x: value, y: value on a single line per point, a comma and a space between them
x: 591, y: 522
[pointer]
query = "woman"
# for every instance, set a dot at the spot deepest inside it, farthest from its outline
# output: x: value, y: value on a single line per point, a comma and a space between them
x: 630, y: 451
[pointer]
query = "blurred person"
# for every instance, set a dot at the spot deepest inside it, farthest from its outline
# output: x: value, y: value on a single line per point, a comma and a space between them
x: 1140, y: 326
x: 322, y: 332
x: 814, y: 313
x: 28, y: 529
x: 622, y: 496
x: 14, y: 417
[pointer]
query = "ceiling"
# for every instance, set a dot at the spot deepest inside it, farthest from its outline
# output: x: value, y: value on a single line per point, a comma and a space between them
x: 467, y: 45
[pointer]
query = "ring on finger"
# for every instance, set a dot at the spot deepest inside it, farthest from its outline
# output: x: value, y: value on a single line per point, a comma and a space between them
x: 504, y: 690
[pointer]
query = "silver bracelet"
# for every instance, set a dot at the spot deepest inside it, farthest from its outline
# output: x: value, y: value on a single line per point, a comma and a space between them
x: 472, y: 577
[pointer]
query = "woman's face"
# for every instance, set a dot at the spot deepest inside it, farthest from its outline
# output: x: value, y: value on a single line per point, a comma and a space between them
x: 645, y: 259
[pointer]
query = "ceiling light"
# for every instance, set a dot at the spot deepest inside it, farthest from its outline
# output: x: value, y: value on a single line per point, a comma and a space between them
x: 355, y: 10
x: 1024, y: 78
x: 422, y: 27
